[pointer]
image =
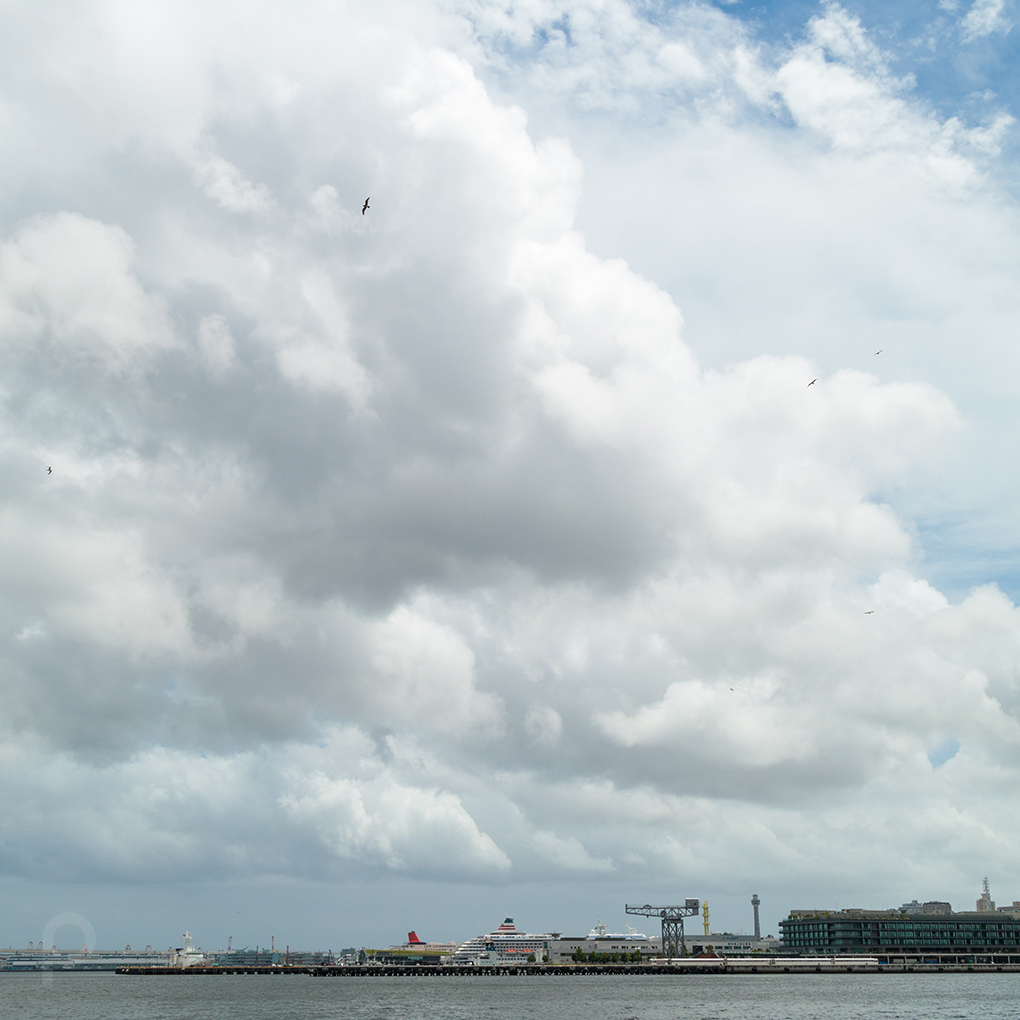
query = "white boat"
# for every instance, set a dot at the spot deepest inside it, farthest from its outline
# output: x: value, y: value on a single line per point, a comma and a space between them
x: 187, y: 955
x: 599, y: 932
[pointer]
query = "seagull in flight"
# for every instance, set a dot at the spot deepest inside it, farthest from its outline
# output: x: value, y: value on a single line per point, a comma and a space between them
x: 49, y: 471
x: 868, y: 612
x: 813, y: 381
x: 365, y: 206
x: 877, y: 353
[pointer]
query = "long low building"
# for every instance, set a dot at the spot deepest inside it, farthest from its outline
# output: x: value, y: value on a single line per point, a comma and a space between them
x: 912, y: 931
x: 55, y: 959
x: 603, y: 947
x: 727, y: 944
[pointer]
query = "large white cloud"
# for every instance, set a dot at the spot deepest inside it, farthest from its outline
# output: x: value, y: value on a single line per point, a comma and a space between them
x: 421, y: 542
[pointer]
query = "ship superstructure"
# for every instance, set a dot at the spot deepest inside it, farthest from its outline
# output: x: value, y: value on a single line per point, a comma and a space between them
x: 412, y: 951
x: 187, y: 955
x: 504, y: 945
x: 600, y: 932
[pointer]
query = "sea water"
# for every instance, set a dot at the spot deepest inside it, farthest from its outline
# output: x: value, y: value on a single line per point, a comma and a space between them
x: 597, y: 997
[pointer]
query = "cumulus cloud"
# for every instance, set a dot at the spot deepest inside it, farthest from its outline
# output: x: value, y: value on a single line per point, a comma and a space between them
x: 544, y: 724
x: 69, y: 292
x: 427, y: 675
x: 984, y: 18
x: 224, y: 183
x: 427, y: 832
x: 568, y: 853
x: 429, y: 542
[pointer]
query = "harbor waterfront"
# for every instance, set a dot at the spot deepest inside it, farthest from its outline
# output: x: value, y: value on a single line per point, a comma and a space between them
x: 917, y: 937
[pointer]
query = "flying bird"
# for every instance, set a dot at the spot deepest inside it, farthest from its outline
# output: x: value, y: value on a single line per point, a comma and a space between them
x: 813, y: 381
x: 365, y: 206
x: 868, y: 612
x: 49, y: 471
x: 877, y: 353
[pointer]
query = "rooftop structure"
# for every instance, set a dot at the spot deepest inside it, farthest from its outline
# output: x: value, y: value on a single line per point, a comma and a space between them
x: 931, y: 907
x: 986, y: 905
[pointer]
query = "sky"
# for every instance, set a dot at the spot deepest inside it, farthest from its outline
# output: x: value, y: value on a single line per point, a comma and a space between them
x: 620, y: 509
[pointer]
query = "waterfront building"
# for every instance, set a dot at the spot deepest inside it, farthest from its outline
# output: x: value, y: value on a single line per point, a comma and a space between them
x: 727, y: 944
x: 909, y: 931
x: 271, y: 958
x: 54, y: 959
x: 600, y: 943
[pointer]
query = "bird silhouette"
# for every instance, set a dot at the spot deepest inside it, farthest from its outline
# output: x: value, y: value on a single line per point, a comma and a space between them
x: 813, y: 381
x: 49, y: 471
x: 868, y: 612
x: 878, y: 352
x: 365, y: 206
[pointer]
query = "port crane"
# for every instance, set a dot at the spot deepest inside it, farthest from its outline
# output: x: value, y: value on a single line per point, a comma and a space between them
x: 672, y: 918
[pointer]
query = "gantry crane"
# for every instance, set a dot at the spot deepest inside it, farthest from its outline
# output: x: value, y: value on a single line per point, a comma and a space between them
x: 672, y: 917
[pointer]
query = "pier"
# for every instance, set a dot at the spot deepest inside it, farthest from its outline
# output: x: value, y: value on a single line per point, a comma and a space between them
x: 730, y: 965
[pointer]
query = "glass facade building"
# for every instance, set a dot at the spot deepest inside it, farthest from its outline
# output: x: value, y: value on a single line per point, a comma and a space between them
x: 887, y: 932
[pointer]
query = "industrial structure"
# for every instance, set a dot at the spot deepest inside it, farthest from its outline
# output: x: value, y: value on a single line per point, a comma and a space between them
x: 755, y: 902
x: 672, y: 918
x: 985, y: 904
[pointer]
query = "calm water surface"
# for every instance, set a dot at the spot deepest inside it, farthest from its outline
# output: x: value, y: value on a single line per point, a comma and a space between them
x: 708, y: 997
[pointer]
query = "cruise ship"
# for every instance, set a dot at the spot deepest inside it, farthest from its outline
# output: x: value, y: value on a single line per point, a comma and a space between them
x: 600, y: 932
x: 504, y: 945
